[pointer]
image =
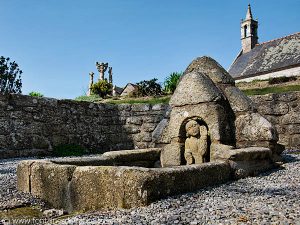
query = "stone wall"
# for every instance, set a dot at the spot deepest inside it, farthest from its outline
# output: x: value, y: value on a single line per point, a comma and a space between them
x: 32, y: 126
x: 283, y: 110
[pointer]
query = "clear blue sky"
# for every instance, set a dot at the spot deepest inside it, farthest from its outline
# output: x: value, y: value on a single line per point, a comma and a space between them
x: 57, y: 42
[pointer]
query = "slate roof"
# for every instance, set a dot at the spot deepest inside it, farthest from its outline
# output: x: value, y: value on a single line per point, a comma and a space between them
x: 269, y: 56
x: 119, y: 90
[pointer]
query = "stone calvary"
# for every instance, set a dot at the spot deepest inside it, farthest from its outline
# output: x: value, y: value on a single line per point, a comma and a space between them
x: 213, y: 134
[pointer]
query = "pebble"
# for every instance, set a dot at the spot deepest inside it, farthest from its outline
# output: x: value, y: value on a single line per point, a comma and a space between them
x: 272, y: 197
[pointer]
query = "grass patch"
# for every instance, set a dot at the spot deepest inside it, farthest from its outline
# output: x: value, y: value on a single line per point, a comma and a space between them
x: 279, y: 80
x: 251, y: 82
x: 166, y: 99
x: 268, y: 90
x: 69, y: 150
x: 151, y: 101
x: 257, y: 81
x: 116, y: 100
x: 92, y: 98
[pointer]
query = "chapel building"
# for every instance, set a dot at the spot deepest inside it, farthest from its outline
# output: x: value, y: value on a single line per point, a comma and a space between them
x: 261, y: 61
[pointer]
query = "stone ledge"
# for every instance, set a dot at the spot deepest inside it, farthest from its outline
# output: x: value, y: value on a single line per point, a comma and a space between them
x: 246, y: 154
x: 249, y: 161
x: 140, y: 157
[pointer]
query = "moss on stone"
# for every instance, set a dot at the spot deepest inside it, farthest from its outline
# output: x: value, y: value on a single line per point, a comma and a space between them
x: 21, y: 213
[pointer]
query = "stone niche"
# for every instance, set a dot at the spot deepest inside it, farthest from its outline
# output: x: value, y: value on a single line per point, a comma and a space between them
x: 197, y: 98
x: 213, y: 127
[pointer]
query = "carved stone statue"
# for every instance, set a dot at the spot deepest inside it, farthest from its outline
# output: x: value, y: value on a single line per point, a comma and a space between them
x: 101, y: 67
x: 114, y: 91
x: 196, y: 143
x: 91, y: 83
x: 110, y: 75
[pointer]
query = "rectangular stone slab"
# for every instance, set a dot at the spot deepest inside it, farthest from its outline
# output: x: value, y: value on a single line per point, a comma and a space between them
x: 126, y: 187
x: 24, y: 175
x: 245, y: 161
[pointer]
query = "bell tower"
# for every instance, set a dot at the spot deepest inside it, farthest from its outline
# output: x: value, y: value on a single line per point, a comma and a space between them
x: 249, y: 32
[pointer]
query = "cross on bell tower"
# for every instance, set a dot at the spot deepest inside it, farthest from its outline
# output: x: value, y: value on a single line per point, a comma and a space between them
x: 249, y: 32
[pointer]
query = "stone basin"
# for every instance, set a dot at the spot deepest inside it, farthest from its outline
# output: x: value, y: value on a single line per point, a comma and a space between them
x: 130, y: 178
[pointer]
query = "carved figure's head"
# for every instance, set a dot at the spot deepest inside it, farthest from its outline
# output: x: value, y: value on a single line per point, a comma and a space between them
x: 192, y: 128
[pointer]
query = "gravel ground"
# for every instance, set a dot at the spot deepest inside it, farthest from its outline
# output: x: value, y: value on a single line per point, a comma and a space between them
x: 9, y: 197
x: 271, y: 198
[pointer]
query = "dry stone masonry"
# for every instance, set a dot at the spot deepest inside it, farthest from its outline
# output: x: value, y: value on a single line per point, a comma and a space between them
x: 283, y: 110
x: 32, y: 126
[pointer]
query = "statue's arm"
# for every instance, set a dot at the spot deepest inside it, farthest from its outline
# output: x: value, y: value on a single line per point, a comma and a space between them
x: 188, y: 154
x: 203, y: 146
x: 203, y: 140
x: 203, y: 132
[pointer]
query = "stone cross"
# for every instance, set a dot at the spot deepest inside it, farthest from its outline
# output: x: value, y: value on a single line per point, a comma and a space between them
x: 91, y: 83
x: 114, y: 91
x: 101, y: 67
x: 110, y: 75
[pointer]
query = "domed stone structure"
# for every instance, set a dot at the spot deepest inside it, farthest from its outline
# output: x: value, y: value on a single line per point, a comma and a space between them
x: 211, y: 68
x: 195, y: 88
x: 207, y: 94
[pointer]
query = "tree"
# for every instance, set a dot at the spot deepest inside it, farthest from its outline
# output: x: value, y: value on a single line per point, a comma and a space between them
x: 171, y: 82
x: 102, y: 88
x: 10, y: 76
x: 149, y: 88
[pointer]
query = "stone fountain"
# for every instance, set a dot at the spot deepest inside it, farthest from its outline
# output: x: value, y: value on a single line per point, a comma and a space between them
x: 214, y: 134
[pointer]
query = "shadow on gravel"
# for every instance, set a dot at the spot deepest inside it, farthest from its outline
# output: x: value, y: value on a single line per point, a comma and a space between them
x: 292, y: 157
x: 271, y: 188
x: 269, y: 172
x: 287, y: 158
x: 7, y: 171
x: 270, y: 191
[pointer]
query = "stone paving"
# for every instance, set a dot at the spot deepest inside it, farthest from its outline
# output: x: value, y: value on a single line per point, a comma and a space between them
x: 271, y: 198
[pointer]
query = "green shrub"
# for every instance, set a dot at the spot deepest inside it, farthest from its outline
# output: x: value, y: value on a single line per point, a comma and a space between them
x: 279, y: 80
x: 171, y: 82
x: 149, y: 88
x: 36, y: 94
x: 68, y: 150
x: 101, y: 88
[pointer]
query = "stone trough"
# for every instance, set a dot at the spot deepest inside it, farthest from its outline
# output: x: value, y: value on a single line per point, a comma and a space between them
x: 125, y: 179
